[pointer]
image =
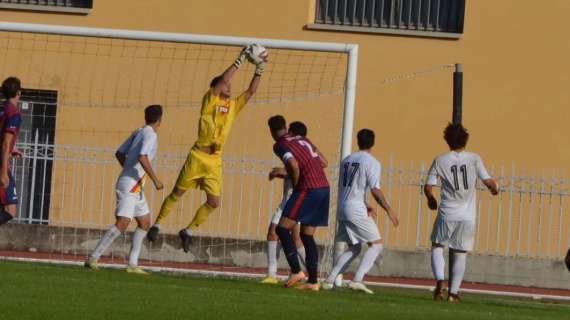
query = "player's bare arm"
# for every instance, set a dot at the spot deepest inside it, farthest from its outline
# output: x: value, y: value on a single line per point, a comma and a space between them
x: 145, y: 163
x: 293, y: 170
x: 229, y: 72
x: 381, y: 200
x: 277, y: 172
x: 121, y: 157
x: 324, y: 161
x: 17, y: 153
x: 253, y: 85
x: 492, y: 185
x: 370, y: 210
x: 6, y: 143
x: 431, y: 200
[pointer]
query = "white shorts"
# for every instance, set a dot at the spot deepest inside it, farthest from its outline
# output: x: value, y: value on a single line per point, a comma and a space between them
x: 459, y: 235
x: 279, y: 211
x: 362, y: 230
x: 131, y: 205
x: 277, y: 215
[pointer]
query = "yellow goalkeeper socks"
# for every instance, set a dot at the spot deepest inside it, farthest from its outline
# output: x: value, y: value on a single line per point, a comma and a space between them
x: 201, y: 216
x: 166, y: 207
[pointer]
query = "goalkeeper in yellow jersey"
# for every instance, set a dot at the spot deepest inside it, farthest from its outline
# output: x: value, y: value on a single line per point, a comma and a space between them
x: 203, y: 167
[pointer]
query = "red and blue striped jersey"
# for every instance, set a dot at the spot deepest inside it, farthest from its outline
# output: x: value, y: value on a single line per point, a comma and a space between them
x: 10, y: 119
x: 311, y: 172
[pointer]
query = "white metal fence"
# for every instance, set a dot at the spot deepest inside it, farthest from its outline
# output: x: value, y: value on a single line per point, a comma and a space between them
x: 74, y: 186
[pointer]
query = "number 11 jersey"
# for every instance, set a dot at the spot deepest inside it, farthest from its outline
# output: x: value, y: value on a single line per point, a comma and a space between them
x: 359, y: 172
x: 458, y: 173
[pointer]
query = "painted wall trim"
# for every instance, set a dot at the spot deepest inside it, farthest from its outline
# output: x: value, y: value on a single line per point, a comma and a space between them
x: 370, y: 30
x: 53, y: 9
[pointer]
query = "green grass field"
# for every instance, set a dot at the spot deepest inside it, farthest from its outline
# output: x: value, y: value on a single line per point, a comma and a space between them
x: 35, y: 291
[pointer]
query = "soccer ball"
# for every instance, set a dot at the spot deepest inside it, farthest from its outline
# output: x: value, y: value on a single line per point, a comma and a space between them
x: 256, y: 53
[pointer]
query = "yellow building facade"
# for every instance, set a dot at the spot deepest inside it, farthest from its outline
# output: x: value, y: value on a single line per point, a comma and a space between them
x: 516, y: 66
x: 513, y: 53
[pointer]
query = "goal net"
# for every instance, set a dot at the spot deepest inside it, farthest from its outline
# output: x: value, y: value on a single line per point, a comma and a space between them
x: 85, y: 93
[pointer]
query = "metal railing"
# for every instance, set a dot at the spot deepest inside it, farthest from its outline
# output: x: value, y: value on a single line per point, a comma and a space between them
x: 74, y: 186
x: 418, y: 15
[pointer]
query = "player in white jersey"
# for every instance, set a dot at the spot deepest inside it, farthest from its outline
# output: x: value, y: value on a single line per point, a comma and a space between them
x: 360, y: 173
x: 296, y: 128
x: 135, y: 156
x: 457, y: 171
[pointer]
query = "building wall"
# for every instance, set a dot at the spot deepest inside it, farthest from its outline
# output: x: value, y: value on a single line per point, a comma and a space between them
x: 514, y: 56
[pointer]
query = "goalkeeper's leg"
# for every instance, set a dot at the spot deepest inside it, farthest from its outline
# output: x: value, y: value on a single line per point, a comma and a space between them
x: 168, y: 203
x: 190, y: 176
x: 202, y: 214
x: 165, y: 209
x: 212, y: 185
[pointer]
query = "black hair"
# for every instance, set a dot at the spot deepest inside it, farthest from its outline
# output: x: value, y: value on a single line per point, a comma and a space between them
x: 456, y: 136
x: 277, y: 123
x: 365, y: 139
x: 297, y: 128
x: 216, y: 80
x: 10, y: 87
x: 152, y: 113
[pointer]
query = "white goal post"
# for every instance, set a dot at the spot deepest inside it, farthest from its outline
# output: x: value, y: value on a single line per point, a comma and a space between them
x: 350, y: 49
x: 97, y: 67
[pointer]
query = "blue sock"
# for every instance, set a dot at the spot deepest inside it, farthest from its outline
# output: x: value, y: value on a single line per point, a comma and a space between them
x: 312, y: 256
x: 289, y: 248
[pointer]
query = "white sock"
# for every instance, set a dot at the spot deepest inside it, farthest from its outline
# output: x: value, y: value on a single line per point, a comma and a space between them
x: 136, y: 246
x: 105, y: 242
x: 458, y: 271
x: 302, y: 257
x: 347, y: 265
x: 438, y: 263
x: 343, y: 260
x: 368, y: 261
x: 339, y: 249
x: 189, y: 231
x: 272, y: 258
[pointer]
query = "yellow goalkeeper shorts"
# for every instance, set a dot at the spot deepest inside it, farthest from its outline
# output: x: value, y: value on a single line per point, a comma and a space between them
x: 203, y: 171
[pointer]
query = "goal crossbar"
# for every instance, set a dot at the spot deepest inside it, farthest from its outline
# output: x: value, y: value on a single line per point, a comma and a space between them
x: 350, y: 49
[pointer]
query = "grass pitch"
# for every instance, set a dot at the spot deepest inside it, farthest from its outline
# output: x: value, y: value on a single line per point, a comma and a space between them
x: 35, y: 291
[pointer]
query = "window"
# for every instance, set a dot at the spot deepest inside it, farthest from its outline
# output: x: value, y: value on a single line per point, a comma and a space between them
x: 33, y: 171
x: 431, y: 18
x: 68, y: 6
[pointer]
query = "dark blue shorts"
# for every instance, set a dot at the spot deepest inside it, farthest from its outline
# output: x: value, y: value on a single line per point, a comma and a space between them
x: 8, y: 195
x: 309, y: 207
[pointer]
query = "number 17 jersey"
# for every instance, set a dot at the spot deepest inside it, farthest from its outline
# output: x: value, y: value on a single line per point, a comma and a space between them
x: 359, y: 172
x: 458, y: 173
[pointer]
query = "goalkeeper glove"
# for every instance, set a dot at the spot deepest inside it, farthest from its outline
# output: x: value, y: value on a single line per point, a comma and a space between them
x: 241, y: 58
x: 260, y: 68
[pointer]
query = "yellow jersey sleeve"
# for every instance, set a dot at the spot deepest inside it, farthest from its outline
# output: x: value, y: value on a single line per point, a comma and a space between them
x: 240, y: 102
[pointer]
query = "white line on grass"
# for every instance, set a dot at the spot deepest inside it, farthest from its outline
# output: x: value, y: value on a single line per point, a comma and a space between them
x: 246, y: 275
